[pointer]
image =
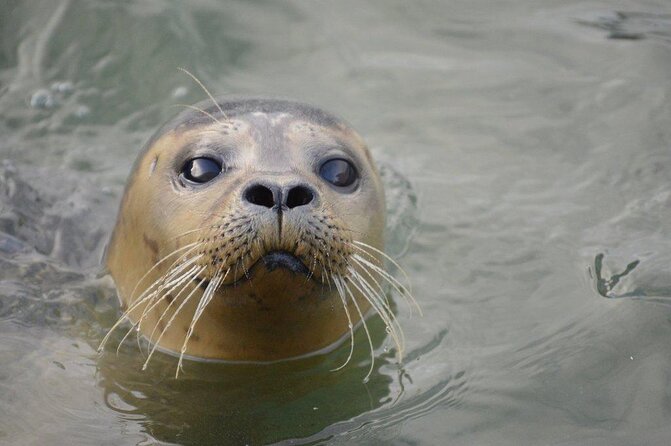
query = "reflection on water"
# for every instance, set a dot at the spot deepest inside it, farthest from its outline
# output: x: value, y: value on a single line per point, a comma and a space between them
x: 240, y: 404
x: 604, y: 285
x: 525, y: 149
x: 633, y: 25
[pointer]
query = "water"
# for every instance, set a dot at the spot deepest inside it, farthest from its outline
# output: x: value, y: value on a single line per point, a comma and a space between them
x: 534, y: 136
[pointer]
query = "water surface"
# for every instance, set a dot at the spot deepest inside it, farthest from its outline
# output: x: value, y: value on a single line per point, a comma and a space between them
x: 534, y: 136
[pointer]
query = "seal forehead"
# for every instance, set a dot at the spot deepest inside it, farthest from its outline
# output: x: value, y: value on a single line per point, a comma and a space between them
x: 273, y: 119
x: 270, y: 122
x: 227, y: 108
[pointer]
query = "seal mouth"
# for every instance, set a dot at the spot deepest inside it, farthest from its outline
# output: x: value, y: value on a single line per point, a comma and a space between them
x: 284, y: 259
x: 272, y: 260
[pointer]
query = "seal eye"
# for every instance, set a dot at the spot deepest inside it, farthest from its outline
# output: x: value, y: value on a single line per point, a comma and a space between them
x: 339, y: 172
x: 201, y: 170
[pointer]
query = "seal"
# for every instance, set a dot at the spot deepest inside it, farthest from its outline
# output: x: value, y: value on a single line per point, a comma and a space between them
x: 251, y: 229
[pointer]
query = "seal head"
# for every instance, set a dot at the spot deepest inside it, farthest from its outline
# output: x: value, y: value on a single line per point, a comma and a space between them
x: 252, y: 230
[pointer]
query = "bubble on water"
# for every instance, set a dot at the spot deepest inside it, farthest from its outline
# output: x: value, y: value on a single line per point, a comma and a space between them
x: 9, y: 165
x: 82, y: 111
x: 179, y: 92
x: 64, y: 87
x: 43, y: 99
x: 12, y: 245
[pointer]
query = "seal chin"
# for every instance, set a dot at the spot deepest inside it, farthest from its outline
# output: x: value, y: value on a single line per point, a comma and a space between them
x: 284, y: 259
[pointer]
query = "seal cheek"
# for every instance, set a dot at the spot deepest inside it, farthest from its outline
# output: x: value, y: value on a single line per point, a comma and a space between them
x: 152, y: 166
x: 151, y: 244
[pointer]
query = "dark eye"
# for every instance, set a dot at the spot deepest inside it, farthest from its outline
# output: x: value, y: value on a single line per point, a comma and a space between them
x: 339, y: 172
x: 201, y: 170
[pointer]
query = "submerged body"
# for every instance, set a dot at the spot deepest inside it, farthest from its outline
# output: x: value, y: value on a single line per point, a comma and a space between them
x: 251, y: 230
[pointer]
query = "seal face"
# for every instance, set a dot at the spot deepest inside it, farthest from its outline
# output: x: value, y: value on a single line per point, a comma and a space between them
x: 252, y: 230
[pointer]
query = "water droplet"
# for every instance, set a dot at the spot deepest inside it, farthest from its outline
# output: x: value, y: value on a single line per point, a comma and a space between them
x: 42, y: 99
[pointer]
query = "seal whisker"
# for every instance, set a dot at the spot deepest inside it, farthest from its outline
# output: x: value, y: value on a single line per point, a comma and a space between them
x: 142, y: 298
x: 130, y: 330
x: 173, y: 275
x: 398, y: 286
x: 326, y: 269
x: 343, y: 299
x: 235, y: 271
x: 245, y: 270
x: 202, y: 228
x: 369, y: 255
x: 171, y: 320
x: 189, y: 246
x: 377, y: 290
x: 185, y: 281
x: 205, y: 90
x: 168, y: 279
x: 204, y: 300
x: 325, y: 252
x: 330, y: 264
x: 171, y: 280
x: 365, y: 327
x: 313, y: 265
x: 161, y: 281
x: 393, y: 262
x: 193, y: 107
x: 379, y: 287
x: 400, y: 289
x: 387, y: 316
x: 156, y: 298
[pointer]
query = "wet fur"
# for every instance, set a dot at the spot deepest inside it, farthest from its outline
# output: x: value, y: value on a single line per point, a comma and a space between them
x: 191, y: 268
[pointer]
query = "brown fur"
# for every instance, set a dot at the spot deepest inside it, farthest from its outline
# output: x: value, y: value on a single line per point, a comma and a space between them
x: 255, y: 315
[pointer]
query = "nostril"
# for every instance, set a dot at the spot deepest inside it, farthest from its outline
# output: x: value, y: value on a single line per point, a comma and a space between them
x: 260, y: 195
x: 299, y: 196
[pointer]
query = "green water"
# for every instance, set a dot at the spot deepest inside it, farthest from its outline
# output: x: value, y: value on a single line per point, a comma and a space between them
x: 534, y: 135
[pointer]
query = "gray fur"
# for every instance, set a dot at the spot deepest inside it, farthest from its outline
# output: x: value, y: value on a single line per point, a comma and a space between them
x: 237, y: 106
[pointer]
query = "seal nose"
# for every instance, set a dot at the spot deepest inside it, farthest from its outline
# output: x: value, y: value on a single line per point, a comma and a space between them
x: 298, y: 196
x: 261, y: 195
x: 274, y: 196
